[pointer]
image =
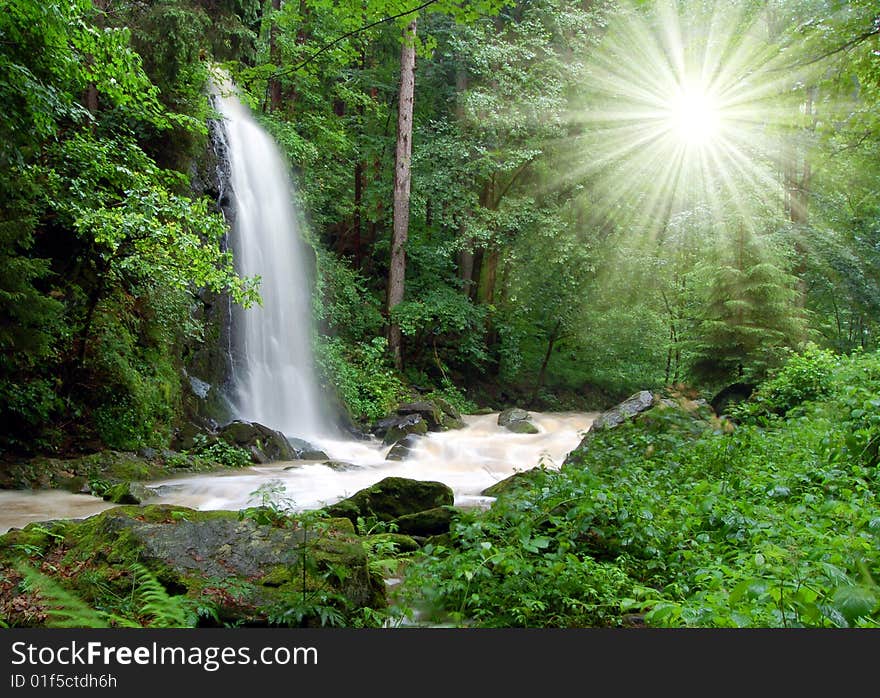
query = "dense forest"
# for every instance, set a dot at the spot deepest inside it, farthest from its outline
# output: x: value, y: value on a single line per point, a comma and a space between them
x: 548, y: 204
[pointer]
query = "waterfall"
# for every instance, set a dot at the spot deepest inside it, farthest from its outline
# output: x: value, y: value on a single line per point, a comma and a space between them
x: 273, y: 377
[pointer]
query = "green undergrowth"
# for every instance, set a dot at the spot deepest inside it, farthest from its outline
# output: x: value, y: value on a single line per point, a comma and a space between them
x: 677, y: 520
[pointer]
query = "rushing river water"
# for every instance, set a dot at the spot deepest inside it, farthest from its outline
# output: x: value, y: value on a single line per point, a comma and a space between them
x: 468, y: 460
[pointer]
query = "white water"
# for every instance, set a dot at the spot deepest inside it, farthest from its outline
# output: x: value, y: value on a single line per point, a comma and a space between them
x: 468, y: 460
x: 273, y: 369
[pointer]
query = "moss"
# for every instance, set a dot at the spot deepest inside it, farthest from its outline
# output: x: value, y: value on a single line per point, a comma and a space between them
x: 403, y: 544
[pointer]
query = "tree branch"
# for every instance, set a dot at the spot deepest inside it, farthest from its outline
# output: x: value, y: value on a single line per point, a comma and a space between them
x: 347, y: 35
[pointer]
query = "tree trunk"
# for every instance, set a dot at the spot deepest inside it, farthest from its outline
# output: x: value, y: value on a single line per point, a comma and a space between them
x: 403, y: 153
x: 542, y: 374
x: 275, y: 59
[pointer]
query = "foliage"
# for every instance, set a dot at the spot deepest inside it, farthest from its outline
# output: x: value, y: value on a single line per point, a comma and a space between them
x: 689, y: 521
x: 220, y: 451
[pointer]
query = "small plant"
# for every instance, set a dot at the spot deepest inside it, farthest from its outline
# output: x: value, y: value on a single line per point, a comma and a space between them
x: 221, y: 452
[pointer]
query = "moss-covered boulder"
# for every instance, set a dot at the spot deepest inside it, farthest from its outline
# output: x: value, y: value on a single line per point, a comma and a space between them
x: 515, y: 482
x: 244, y: 571
x: 430, y: 522
x: 393, y: 497
x: 128, y: 493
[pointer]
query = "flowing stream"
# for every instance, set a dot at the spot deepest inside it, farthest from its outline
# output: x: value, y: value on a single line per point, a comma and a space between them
x: 468, y: 460
x: 274, y: 380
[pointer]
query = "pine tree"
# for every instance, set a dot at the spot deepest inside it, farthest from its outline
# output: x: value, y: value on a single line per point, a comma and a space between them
x: 752, y: 313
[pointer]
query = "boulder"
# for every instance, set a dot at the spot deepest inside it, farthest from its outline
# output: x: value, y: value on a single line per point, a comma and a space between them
x: 452, y: 423
x: 264, y: 444
x: 517, y: 421
x: 128, y: 493
x: 430, y: 522
x: 409, y: 424
x: 403, y: 449
x: 392, y: 498
x: 247, y: 571
x: 511, y: 484
x: 633, y: 405
x: 448, y: 409
x: 303, y: 450
x: 431, y: 413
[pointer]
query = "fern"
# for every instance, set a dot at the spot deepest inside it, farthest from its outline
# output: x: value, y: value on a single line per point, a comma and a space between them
x: 164, y: 610
x: 67, y: 610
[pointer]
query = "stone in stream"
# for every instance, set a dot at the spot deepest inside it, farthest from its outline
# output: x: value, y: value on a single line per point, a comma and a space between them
x: 403, y: 448
x: 633, y: 405
x: 264, y: 444
x: 428, y: 411
x: 304, y: 450
x: 409, y: 424
x: 517, y: 421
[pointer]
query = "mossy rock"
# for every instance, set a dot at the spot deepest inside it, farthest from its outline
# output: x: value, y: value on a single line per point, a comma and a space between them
x: 248, y: 572
x: 514, y: 483
x: 404, y: 544
x: 430, y: 522
x: 428, y: 411
x: 522, y: 427
x: 392, y: 498
x: 409, y: 424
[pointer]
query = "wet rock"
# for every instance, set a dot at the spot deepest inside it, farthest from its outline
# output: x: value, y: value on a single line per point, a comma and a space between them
x: 264, y: 444
x: 392, y: 498
x: 430, y: 522
x: 448, y: 409
x: 428, y: 411
x: 338, y: 465
x: 517, y: 421
x: 452, y: 423
x: 403, y: 449
x: 128, y: 493
x: 304, y: 450
x: 409, y: 424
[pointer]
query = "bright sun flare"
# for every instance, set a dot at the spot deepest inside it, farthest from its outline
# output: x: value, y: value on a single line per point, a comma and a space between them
x: 683, y: 110
x: 694, y: 117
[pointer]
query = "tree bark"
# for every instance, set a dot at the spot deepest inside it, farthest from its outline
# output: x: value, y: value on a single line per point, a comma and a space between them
x: 403, y: 154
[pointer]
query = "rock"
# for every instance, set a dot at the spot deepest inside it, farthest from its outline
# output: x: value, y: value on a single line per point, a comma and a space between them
x: 381, y: 426
x: 265, y: 444
x: 448, y: 409
x: 410, y: 424
x: 248, y: 572
x: 128, y: 493
x: 514, y: 414
x: 199, y: 387
x: 304, y: 450
x: 522, y: 427
x: 430, y: 522
x: 633, y: 405
x: 517, y: 421
x: 392, y: 498
x: 452, y: 423
x: 338, y: 465
x: 511, y: 484
x: 428, y: 411
x: 483, y: 411
x: 403, y: 449
x: 629, y: 408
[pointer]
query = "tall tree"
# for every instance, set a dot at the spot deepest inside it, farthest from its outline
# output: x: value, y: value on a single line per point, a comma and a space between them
x: 403, y: 157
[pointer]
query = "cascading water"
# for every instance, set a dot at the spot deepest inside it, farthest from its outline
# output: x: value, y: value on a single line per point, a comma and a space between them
x: 273, y: 376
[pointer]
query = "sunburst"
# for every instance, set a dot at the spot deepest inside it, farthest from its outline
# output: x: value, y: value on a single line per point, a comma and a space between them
x: 683, y: 109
